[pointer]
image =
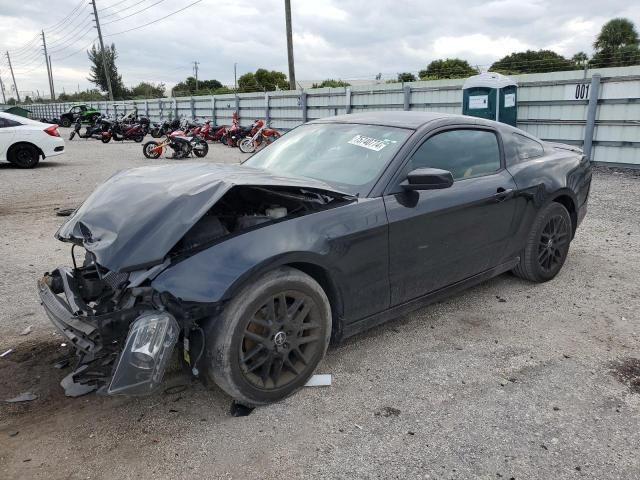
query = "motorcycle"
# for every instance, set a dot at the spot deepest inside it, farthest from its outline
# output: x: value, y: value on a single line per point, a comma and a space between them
x: 259, y: 137
x: 182, y: 147
x: 120, y: 132
x: 164, y: 128
x: 94, y: 130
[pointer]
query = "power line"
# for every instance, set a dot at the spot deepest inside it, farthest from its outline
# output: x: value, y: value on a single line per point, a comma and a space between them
x: 134, y: 13
x: 51, y: 27
x: 111, y: 6
x: 122, y: 10
x: 154, y: 21
x: 77, y: 51
x: 75, y: 42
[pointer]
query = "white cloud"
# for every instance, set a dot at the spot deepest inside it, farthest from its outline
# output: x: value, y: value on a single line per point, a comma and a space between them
x: 478, y: 45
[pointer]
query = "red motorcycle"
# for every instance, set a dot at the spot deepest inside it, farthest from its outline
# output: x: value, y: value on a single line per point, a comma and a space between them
x: 120, y: 131
x: 232, y: 135
x: 259, y: 136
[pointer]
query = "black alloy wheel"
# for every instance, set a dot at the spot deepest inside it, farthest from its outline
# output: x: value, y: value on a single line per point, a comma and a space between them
x: 23, y: 155
x: 553, y: 240
x: 547, y: 244
x: 270, y: 337
x: 279, y: 340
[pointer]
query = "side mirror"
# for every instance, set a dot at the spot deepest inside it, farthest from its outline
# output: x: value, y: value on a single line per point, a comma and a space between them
x: 428, y: 179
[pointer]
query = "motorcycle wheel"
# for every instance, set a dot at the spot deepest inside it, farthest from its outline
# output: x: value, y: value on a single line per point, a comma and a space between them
x: 148, y: 149
x: 247, y: 145
x: 156, y: 133
x: 105, y: 139
x: 72, y: 134
x: 201, y: 149
x: 138, y: 138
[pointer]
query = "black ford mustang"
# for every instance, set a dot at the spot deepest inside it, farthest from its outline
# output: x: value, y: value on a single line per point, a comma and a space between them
x: 340, y: 225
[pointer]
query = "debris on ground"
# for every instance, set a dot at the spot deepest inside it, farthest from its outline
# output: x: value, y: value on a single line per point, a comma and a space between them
x: 239, y: 410
x: 6, y: 353
x: 628, y: 372
x: 23, y: 397
x: 65, y: 212
x: 27, y: 330
x: 387, y: 412
x: 74, y: 389
x: 322, y: 380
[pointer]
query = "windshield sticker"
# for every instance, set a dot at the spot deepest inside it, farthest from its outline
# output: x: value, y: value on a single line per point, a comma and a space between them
x: 368, y: 142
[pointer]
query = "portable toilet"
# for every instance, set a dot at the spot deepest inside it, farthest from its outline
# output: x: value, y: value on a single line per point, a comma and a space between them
x: 491, y: 95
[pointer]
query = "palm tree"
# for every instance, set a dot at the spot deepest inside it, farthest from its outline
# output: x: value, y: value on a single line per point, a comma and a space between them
x: 615, y: 34
x: 580, y: 59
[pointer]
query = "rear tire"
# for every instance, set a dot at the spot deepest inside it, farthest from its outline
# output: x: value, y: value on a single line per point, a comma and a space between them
x: 138, y: 138
x: 105, y: 139
x: 547, y: 244
x: 156, y: 133
x: 65, y: 122
x: 23, y: 155
x: 201, y: 149
x: 270, y: 337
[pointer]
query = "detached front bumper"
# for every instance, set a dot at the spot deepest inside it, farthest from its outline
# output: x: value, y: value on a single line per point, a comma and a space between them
x: 122, y: 352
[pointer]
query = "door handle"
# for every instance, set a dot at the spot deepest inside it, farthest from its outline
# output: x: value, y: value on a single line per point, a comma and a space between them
x: 502, y: 194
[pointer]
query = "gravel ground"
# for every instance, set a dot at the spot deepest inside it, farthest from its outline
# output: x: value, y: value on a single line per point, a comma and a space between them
x: 507, y: 380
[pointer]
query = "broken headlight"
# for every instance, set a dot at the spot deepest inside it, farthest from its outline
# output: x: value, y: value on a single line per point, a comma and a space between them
x: 146, y: 354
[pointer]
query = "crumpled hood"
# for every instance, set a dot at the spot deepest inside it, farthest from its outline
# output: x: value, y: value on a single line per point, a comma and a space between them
x: 134, y: 219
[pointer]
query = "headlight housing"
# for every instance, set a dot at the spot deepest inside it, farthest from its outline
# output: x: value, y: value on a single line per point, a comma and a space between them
x: 146, y: 354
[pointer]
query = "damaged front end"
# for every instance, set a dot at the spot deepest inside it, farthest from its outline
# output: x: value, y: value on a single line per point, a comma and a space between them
x: 124, y: 336
x: 138, y: 225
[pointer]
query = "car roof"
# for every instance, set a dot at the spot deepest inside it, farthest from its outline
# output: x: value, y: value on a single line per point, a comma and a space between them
x: 401, y: 119
x: 19, y: 119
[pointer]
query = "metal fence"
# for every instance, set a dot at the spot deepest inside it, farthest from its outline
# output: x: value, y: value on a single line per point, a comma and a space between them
x: 554, y: 106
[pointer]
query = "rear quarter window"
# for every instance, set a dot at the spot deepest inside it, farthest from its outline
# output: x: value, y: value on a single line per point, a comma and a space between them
x: 525, y: 149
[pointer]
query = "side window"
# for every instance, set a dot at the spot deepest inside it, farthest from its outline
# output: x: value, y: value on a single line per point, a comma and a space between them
x: 526, y: 148
x: 465, y: 153
x: 5, y: 123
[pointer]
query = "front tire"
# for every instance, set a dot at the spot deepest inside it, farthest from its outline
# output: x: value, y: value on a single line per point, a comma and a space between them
x: 547, y: 244
x: 149, y: 150
x: 268, y: 341
x: 65, y: 122
x: 23, y: 155
x: 247, y: 145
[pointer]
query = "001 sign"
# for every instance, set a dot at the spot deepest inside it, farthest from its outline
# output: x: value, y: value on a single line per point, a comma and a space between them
x: 579, y: 91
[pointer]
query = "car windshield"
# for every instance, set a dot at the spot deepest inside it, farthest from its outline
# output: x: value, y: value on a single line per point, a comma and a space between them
x: 350, y: 157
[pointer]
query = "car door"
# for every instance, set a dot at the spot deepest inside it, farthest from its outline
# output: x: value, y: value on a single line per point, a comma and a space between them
x: 440, y: 237
x: 7, y: 132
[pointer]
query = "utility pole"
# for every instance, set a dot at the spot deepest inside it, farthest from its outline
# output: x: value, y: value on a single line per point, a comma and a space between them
x: 53, y: 90
x: 195, y: 69
x: 46, y: 60
x: 4, y: 99
x: 14, y: 78
x: 292, y: 72
x: 104, y: 55
x: 235, y: 76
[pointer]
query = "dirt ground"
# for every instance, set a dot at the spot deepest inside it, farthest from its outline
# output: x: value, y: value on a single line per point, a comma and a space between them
x: 507, y: 380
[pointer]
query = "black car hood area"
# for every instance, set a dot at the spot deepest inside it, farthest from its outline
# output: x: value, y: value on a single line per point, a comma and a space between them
x: 134, y: 219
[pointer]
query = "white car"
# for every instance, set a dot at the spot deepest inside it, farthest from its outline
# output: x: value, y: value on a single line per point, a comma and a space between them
x: 24, y: 141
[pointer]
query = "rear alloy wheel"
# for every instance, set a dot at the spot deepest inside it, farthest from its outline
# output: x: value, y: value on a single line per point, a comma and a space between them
x: 547, y: 245
x: 201, y: 149
x: 23, y: 155
x: 270, y: 338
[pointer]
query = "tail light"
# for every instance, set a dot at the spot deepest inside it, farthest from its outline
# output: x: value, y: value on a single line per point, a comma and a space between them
x: 52, y: 130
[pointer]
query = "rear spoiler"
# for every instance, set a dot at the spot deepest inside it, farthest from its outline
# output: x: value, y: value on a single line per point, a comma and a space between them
x: 564, y: 146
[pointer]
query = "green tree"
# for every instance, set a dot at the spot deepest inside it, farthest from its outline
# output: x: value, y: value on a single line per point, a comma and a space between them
x: 331, y: 83
x: 148, y: 90
x: 580, y: 59
x: 11, y: 101
x: 263, y: 81
x: 96, y: 71
x: 532, y: 62
x: 205, y: 87
x: 617, y: 44
x: 89, y: 95
x: 447, y: 68
x: 406, y: 77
